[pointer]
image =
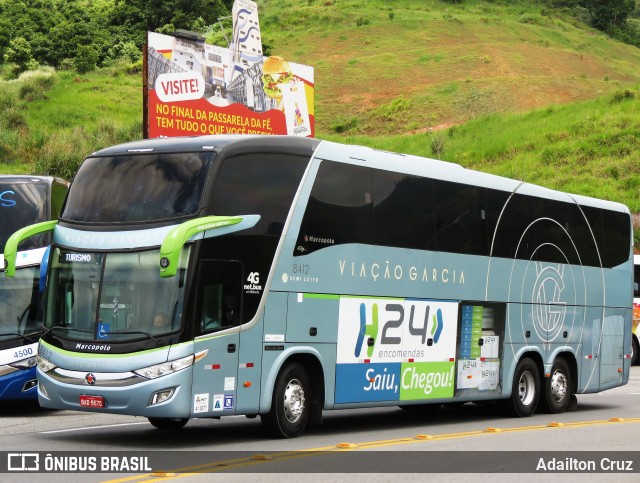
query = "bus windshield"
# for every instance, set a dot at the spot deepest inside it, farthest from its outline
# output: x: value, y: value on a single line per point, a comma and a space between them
x: 17, y: 303
x: 149, y: 187
x: 108, y: 297
x: 21, y: 204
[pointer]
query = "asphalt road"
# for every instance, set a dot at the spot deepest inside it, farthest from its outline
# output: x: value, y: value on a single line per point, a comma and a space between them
x: 462, y: 443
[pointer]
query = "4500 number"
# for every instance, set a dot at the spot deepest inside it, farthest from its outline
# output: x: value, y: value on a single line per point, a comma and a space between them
x: 22, y: 353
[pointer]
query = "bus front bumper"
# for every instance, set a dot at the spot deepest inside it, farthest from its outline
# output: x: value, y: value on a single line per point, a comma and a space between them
x: 164, y: 397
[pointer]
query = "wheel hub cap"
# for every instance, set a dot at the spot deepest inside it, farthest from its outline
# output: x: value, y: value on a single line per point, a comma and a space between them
x: 526, y: 388
x: 293, y: 401
x: 558, y: 386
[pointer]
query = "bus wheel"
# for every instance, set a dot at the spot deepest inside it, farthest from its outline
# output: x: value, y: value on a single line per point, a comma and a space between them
x: 557, y: 388
x: 525, y: 390
x: 289, y: 412
x: 634, y: 350
x: 170, y: 424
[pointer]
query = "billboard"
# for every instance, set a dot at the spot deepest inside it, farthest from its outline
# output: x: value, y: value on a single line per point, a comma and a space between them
x: 193, y: 88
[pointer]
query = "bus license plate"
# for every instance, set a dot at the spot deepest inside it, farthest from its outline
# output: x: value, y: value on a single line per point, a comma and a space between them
x: 92, y: 401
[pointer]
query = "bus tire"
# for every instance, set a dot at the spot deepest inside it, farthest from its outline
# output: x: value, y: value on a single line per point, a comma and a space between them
x: 557, y: 388
x: 634, y: 350
x: 168, y: 424
x: 525, y: 391
x: 289, y: 412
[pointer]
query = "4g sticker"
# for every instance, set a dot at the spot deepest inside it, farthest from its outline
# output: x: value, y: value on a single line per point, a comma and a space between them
x: 253, y: 283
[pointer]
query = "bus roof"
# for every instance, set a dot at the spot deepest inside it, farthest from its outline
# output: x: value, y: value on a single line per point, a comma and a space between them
x: 4, y: 178
x: 452, y: 172
x: 361, y: 155
x: 207, y: 143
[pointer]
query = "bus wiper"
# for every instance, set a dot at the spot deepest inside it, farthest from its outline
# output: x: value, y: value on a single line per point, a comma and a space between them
x: 23, y: 336
x: 62, y: 327
x: 122, y: 332
x: 131, y: 332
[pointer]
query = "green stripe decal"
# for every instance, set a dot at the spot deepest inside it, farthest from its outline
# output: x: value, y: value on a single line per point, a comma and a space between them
x: 320, y: 296
x: 176, y: 238
x: 11, y: 248
x: 93, y: 355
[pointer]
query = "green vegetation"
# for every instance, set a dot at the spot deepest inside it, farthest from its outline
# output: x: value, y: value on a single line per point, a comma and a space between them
x: 52, y: 120
x: 589, y: 148
x: 81, y: 33
x: 524, y: 89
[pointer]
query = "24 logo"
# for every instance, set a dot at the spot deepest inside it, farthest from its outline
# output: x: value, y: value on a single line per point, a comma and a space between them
x: 391, y: 333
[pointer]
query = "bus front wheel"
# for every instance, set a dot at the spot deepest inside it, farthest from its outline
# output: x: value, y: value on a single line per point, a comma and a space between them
x: 289, y: 412
x: 170, y: 424
x: 557, y: 388
x: 525, y: 391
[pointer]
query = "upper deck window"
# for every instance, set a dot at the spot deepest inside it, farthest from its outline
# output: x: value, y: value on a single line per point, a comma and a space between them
x: 259, y: 183
x: 137, y: 188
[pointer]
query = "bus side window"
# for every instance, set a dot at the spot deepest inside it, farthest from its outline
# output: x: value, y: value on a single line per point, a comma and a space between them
x: 218, y: 304
x: 211, y: 314
x: 219, y: 307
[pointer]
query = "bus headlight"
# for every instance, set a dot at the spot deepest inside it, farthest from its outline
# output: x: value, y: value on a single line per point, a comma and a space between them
x: 165, y: 368
x: 25, y: 363
x: 44, y: 364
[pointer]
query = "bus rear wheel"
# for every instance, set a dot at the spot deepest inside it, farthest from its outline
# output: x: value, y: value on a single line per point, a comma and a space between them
x: 634, y: 350
x: 557, y: 388
x: 525, y: 391
x: 289, y: 412
x: 168, y: 424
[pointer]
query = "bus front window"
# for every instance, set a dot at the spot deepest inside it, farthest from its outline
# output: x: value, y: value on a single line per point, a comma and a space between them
x: 18, y: 303
x: 108, y: 297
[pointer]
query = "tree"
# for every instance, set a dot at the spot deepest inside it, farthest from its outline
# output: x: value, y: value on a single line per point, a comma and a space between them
x: 86, y: 59
x: 608, y: 14
x: 19, y: 53
x: 150, y: 15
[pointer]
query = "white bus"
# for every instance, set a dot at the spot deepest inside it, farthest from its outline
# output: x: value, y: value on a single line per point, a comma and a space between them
x: 24, y: 200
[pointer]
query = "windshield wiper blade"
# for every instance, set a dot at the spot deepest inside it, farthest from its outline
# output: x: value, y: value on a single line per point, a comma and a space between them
x: 119, y: 332
x: 131, y: 332
x: 23, y: 336
x: 62, y: 327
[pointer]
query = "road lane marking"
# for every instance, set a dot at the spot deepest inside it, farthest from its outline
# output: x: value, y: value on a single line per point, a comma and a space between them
x: 91, y: 427
x: 219, y: 466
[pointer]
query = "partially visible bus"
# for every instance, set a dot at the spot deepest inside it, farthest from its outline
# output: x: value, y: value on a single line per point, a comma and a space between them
x: 24, y: 200
x: 277, y: 276
x: 635, y: 333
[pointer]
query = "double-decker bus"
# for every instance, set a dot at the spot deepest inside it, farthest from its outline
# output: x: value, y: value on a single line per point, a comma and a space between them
x: 23, y: 200
x: 279, y: 276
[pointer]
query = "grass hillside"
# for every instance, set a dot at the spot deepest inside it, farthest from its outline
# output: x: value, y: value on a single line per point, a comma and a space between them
x: 505, y: 87
x: 589, y: 147
x: 391, y: 67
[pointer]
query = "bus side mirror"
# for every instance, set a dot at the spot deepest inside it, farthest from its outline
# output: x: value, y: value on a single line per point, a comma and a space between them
x: 11, y: 248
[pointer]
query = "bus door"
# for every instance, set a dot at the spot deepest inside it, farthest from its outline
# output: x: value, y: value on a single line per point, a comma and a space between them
x: 611, y: 354
x: 219, y: 291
